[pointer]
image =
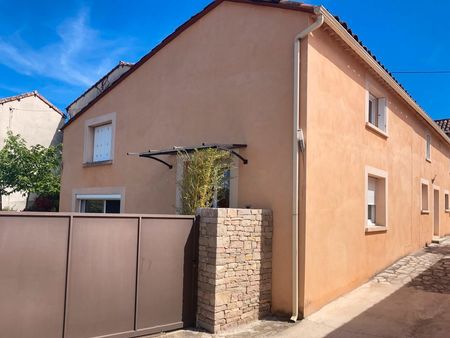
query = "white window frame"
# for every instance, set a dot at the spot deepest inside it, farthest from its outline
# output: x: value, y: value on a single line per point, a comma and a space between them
x: 428, y: 147
x: 234, y: 183
x: 89, y: 136
x: 425, y: 210
x: 81, y: 197
x: 98, y: 193
x: 382, y: 178
x: 373, y: 95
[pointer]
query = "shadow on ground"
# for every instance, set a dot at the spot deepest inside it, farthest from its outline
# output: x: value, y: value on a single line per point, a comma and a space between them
x: 421, y: 308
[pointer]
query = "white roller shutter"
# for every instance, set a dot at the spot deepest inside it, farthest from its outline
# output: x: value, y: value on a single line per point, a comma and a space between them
x: 382, y: 113
x: 371, y: 187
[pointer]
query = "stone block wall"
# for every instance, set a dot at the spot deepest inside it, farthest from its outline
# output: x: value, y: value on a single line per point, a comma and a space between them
x: 235, y: 267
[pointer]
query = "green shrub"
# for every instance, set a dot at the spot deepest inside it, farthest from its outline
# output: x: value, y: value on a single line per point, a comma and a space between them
x: 203, y: 178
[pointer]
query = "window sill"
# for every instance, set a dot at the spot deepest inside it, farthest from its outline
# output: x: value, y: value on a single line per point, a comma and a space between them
x: 447, y: 210
x: 375, y: 228
x: 428, y: 160
x: 376, y: 130
x: 96, y: 164
x: 425, y: 212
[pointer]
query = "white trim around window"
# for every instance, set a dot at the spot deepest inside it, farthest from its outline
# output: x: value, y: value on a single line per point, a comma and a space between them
x: 376, y: 111
x: 424, y: 196
x: 376, y: 200
x: 100, y: 129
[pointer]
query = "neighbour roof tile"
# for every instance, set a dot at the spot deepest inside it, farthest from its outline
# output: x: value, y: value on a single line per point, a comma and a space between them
x: 444, y: 124
x: 33, y: 93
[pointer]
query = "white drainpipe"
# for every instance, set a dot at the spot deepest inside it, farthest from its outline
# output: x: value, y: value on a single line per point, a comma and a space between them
x: 298, y: 137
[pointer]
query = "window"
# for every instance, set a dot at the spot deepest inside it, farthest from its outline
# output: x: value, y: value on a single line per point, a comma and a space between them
x: 428, y: 149
x: 376, y: 200
x: 102, y: 143
x: 446, y: 201
x: 99, y: 136
x: 228, y: 196
x: 424, y: 193
x: 371, y: 197
x: 376, y: 112
x: 222, y: 199
x: 106, y: 204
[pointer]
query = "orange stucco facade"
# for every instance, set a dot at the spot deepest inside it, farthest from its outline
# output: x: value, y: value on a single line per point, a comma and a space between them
x: 228, y: 78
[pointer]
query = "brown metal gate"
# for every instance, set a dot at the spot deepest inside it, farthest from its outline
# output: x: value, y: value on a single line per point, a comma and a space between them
x: 80, y: 275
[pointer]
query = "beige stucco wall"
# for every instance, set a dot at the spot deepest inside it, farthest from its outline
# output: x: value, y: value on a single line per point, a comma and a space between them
x: 226, y: 79
x: 36, y: 122
x: 339, y: 254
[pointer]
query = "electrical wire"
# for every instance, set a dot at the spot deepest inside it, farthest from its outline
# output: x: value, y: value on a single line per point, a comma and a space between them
x: 423, y: 72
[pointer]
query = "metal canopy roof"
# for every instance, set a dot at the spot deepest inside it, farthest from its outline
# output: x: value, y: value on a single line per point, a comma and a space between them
x: 175, y: 150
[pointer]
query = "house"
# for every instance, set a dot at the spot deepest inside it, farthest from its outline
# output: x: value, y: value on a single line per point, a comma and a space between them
x: 356, y: 173
x: 97, y: 88
x: 37, y: 120
x: 445, y: 125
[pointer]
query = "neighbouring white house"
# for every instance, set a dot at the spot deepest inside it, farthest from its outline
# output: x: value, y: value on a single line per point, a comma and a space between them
x: 37, y: 120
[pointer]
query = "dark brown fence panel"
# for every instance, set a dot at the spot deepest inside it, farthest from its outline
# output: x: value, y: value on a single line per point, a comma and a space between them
x: 79, y: 275
x: 165, y: 297
x: 33, y: 254
x: 102, y: 277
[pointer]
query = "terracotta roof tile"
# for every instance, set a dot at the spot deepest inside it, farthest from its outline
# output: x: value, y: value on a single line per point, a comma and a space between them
x: 33, y: 93
x: 444, y: 124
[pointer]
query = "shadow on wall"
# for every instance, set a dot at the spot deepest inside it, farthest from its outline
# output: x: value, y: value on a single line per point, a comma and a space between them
x: 421, y: 308
x: 58, y: 135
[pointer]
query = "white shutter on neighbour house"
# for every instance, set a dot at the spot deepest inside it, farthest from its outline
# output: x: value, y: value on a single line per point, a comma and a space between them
x: 102, y: 143
x: 371, y: 187
x: 382, y: 113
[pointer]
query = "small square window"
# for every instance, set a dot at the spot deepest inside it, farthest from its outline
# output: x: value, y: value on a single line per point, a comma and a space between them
x: 376, y: 112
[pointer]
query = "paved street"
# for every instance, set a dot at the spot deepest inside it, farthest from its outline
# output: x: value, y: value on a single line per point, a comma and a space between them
x: 409, y: 299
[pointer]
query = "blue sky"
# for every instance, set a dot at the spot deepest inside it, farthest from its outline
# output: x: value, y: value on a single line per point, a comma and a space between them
x: 60, y: 48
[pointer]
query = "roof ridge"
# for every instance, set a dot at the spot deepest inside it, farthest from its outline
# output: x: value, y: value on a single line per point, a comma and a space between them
x: 28, y: 94
x: 17, y: 97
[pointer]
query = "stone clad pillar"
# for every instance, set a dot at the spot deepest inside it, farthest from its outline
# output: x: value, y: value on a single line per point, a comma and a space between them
x: 235, y: 267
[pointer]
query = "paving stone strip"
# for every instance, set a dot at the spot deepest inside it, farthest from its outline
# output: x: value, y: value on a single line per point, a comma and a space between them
x: 428, y: 269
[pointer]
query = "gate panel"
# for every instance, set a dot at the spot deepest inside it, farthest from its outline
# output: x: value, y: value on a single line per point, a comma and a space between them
x: 102, y: 276
x: 33, y: 254
x: 165, y: 282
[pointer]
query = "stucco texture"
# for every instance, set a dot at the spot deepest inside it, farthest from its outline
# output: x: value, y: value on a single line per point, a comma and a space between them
x: 339, y: 253
x: 226, y: 79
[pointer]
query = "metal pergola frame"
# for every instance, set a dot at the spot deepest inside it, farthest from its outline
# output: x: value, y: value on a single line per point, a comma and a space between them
x: 175, y: 150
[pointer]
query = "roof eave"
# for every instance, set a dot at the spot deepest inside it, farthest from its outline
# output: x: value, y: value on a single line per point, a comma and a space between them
x: 34, y: 93
x: 337, y: 27
x: 298, y: 7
